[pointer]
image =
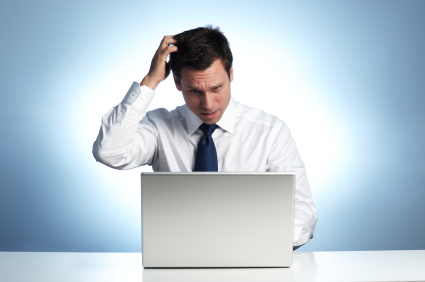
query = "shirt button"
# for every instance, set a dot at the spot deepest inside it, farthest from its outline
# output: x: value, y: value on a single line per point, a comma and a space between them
x: 118, y: 120
x: 133, y: 94
x: 141, y: 98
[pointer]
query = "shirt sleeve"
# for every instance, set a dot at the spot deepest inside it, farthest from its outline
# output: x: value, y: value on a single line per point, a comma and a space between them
x: 127, y: 136
x: 285, y: 157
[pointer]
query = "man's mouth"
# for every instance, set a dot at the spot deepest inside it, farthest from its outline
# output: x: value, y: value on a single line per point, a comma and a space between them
x: 210, y: 115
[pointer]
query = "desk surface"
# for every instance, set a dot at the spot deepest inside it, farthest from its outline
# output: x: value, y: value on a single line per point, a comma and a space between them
x: 307, y: 266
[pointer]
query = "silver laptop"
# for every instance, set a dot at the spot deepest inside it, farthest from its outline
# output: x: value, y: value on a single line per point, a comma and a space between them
x: 210, y: 219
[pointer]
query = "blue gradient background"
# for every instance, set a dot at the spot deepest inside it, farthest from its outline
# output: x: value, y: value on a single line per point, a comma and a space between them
x: 346, y: 76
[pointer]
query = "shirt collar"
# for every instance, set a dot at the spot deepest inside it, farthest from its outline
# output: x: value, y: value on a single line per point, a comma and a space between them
x: 227, y: 121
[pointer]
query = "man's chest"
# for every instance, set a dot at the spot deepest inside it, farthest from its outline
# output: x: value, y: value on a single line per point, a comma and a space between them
x: 241, y: 151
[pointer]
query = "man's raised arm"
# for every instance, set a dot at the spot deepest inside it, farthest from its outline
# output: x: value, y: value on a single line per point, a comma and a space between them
x: 127, y: 137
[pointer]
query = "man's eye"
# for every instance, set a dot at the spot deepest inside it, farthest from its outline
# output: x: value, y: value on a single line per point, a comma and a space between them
x: 194, y: 91
x: 217, y: 88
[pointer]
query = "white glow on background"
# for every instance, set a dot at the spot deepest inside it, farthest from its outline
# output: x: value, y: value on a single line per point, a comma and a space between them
x: 321, y: 139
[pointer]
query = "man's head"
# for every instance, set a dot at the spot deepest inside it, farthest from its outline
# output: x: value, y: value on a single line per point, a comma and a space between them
x: 202, y: 70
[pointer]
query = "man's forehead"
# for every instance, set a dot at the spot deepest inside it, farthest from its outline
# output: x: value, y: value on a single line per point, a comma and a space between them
x: 215, y: 74
x: 202, y: 81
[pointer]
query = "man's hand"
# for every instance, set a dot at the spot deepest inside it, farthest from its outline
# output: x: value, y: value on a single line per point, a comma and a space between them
x: 160, y: 68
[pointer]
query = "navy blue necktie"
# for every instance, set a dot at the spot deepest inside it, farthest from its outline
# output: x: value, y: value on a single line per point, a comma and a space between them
x: 206, y: 155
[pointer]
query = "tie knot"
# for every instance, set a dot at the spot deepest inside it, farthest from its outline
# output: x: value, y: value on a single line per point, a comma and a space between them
x: 208, y: 129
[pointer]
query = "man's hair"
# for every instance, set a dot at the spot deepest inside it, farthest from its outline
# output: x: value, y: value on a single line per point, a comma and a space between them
x: 198, y: 48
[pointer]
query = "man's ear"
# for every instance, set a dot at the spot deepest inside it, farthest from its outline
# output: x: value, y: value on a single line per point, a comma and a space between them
x: 177, y: 82
x: 231, y: 74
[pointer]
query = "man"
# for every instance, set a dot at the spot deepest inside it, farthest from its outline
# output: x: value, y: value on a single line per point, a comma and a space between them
x: 211, y: 132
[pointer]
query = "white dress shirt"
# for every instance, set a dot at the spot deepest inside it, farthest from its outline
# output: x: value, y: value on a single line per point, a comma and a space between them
x: 246, y: 140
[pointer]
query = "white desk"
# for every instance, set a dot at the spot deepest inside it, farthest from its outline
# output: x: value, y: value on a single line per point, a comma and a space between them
x: 317, y: 266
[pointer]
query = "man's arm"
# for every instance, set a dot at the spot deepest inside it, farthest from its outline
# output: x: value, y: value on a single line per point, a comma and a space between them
x: 127, y: 137
x: 285, y: 157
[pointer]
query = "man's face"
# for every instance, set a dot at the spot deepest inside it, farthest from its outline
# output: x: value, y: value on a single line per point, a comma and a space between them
x: 207, y: 92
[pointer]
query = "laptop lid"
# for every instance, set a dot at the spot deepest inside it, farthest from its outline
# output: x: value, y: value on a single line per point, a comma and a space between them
x: 210, y: 219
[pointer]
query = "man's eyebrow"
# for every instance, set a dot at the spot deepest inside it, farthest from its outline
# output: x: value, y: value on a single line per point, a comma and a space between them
x: 218, y: 85
x: 212, y: 87
x: 192, y: 88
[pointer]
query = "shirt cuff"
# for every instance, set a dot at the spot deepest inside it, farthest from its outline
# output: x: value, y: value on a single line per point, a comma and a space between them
x: 139, y: 97
x: 297, y: 233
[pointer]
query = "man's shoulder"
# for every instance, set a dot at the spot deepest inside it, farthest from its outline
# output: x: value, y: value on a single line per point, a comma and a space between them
x: 257, y: 116
x: 162, y: 113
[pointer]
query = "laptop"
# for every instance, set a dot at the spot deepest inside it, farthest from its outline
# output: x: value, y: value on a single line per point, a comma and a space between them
x: 214, y: 219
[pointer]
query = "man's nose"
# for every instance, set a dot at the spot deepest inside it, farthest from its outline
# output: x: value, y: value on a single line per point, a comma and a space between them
x: 207, y: 101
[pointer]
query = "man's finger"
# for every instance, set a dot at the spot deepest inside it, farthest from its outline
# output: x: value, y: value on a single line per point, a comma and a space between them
x: 164, y: 53
x: 167, y: 40
x: 171, y: 49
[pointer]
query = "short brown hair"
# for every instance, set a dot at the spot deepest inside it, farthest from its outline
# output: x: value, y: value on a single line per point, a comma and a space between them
x: 198, y: 48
